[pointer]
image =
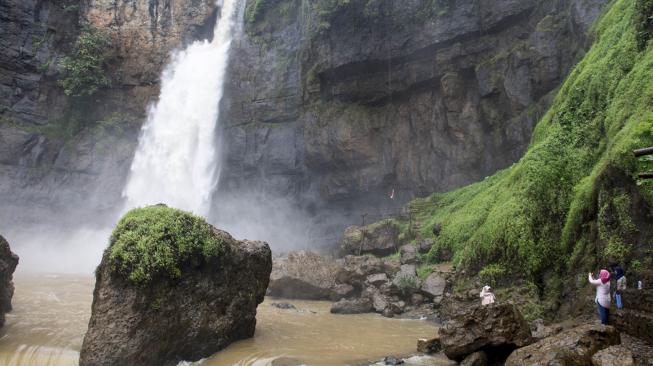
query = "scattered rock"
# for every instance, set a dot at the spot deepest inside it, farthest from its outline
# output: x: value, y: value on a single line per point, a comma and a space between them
x: 8, y: 263
x: 283, y: 305
x: 478, y: 358
x: 303, y: 275
x: 211, y: 304
x: 429, y: 345
x: 424, y: 246
x: 573, y: 347
x: 391, y: 360
x: 613, y: 356
x: 354, y: 270
x: 379, y: 239
x: 434, y: 286
x: 377, y: 279
x: 379, y: 301
x: 540, y: 331
x: 397, y: 307
x: 341, y: 291
x: 498, y: 328
x: 356, y: 306
x: 408, y: 254
x: 417, y: 299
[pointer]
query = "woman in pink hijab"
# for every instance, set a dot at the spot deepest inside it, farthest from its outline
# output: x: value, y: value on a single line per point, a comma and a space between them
x: 602, y: 294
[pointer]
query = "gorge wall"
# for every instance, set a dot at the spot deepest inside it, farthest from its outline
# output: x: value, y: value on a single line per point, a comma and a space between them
x: 331, y: 104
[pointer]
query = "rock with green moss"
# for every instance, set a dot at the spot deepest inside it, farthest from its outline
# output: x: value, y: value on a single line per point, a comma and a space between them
x: 171, y: 287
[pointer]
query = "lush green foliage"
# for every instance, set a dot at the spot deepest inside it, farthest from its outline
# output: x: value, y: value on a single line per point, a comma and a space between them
x: 541, y: 215
x: 644, y: 22
x: 84, y: 71
x: 407, y: 284
x: 255, y: 9
x: 157, y: 241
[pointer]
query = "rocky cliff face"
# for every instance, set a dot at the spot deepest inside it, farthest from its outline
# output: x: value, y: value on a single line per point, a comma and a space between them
x: 8, y: 263
x: 330, y: 105
x: 60, y: 153
x: 344, y: 102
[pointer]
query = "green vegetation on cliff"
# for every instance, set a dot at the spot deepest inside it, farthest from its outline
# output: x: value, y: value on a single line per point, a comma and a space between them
x: 158, y: 240
x: 84, y: 70
x: 573, y: 201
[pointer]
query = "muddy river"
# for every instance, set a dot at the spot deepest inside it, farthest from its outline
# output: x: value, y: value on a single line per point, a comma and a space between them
x: 51, y: 313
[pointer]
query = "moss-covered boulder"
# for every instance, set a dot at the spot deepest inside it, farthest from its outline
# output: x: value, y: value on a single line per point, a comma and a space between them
x: 171, y: 287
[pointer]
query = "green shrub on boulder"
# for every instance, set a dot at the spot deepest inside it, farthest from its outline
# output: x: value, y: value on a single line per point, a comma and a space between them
x: 158, y: 241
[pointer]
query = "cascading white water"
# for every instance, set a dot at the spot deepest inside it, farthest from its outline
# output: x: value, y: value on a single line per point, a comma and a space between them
x: 175, y: 162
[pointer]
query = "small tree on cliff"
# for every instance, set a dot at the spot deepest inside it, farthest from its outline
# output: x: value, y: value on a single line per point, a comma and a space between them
x: 84, y: 70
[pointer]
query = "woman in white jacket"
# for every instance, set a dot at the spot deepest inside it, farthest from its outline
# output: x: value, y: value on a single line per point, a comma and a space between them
x: 487, y: 297
x: 602, y: 294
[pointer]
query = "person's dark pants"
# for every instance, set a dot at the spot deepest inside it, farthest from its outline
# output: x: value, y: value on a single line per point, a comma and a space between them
x: 603, y: 314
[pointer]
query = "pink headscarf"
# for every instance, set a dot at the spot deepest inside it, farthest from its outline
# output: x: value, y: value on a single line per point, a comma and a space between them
x: 604, y: 275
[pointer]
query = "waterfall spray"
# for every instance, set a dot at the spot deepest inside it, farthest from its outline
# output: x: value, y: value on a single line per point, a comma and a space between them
x: 176, y: 161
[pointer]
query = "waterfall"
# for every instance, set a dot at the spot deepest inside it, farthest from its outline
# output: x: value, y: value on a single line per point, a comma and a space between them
x: 176, y: 160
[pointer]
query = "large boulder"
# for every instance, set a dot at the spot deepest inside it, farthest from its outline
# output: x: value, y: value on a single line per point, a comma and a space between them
x: 355, y: 270
x: 8, y: 263
x: 636, y: 317
x: 305, y: 275
x: 497, y: 329
x: 573, y: 347
x: 433, y: 286
x: 355, y: 306
x: 169, y: 288
x: 613, y: 356
x: 379, y: 239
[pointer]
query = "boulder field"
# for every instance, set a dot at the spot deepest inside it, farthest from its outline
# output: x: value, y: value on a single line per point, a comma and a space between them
x: 204, y: 298
x: 358, y: 284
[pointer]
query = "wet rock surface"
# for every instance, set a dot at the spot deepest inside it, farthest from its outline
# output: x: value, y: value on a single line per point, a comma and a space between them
x: 392, y: 95
x: 636, y: 317
x: 379, y: 239
x: 613, y: 356
x: 8, y: 263
x: 478, y: 358
x: 496, y: 329
x: 169, y: 320
x: 305, y: 275
x: 354, y: 306
x: 430, y: 345
x: 572, y: 347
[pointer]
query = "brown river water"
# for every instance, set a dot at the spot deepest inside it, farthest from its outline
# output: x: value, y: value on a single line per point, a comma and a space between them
x: 51, y: 313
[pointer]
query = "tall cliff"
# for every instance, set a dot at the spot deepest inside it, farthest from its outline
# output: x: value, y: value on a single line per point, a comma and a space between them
x: 338, y: 103
x: 71, y: 154
x: 575, y: 202
x: 331, y: 104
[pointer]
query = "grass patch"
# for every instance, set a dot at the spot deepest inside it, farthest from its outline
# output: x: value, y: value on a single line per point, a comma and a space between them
x: 158, y: 241
x: 424, y: 270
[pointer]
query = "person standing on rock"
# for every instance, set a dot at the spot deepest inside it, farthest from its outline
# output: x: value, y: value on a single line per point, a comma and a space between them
x: 602, y: 294
x: 487, y: 297
x: 621, y: 284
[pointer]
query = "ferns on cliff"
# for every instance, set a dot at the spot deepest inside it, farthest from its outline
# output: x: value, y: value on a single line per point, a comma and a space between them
x: 84, y: 70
